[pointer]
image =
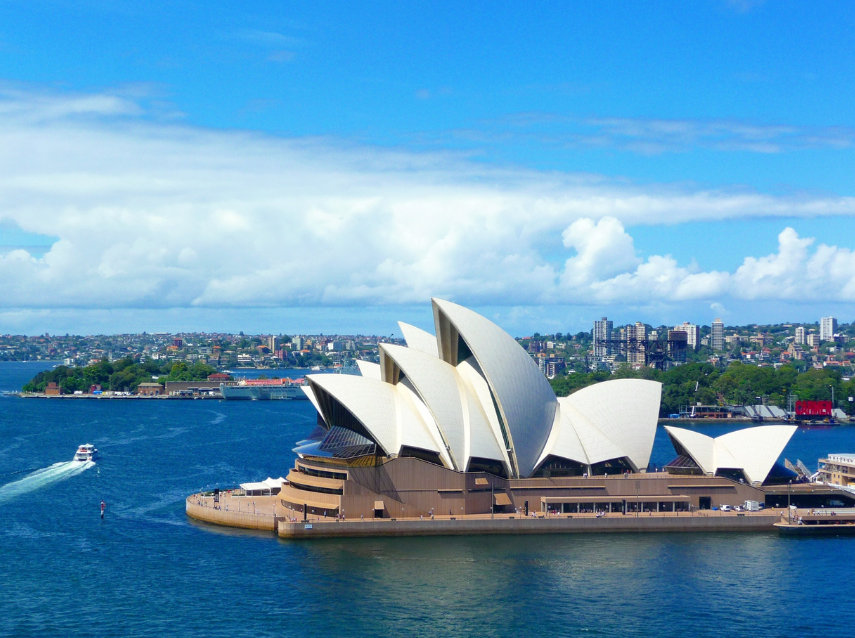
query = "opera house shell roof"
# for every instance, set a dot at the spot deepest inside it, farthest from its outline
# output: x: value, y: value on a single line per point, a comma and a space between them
x: 470, y: 398
x: 752, y: 452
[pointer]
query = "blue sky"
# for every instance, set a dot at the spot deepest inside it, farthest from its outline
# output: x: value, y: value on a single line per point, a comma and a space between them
x: 175, y: 164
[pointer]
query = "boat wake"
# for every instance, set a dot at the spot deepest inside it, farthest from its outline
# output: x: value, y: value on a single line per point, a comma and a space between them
x: 42, y: 478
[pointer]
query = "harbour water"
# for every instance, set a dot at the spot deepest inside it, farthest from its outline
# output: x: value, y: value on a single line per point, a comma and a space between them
x: 147, y: 570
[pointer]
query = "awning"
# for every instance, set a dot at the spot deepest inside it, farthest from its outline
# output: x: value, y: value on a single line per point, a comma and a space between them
x: 613, y: 499
x: 266, y: 484
x: 502, y: 499
x: 378, y: 505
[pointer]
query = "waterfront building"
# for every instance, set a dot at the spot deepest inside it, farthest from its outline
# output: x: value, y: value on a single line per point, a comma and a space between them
x: 838, y: 469
x: 693, y: 334
x: 717, y: 335
x: 800, y: 335
x: 602, y: 335
x: 149, y: 389
x: 463, y: 422
x: 827, y: 328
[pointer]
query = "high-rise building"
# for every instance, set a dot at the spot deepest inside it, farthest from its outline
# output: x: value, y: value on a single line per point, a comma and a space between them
x: 800, y: 335
x: 602, y: 334
x: 813, y: 339
x: 717, y: 335
x: 827, y: 328
x: 273, y: 343
x: 296, y: 343
x: 636, y: 343
x: 693, y: 334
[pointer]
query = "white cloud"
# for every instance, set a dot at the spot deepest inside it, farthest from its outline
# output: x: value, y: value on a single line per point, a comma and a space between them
x: 158, y: 215
x: 603, y: 249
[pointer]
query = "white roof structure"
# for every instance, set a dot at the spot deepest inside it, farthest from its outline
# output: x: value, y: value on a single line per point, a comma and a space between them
x: 523, y: 398
x: 607, y: 421
x: 472, y: 399
x: 266, y: 484
x: 754, y: 451
x: 418, y: 339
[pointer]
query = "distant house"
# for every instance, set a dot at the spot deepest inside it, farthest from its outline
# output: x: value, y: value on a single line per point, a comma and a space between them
x: 149, y: 389
x: 52, y: 389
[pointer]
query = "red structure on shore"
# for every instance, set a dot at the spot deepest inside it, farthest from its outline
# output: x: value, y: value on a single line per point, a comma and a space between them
x: 813, y: 409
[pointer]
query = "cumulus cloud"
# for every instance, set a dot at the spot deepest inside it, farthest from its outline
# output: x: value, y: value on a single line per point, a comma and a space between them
x: 157, y: 215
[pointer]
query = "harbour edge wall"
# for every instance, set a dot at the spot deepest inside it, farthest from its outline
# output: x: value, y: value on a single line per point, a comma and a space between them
x: 242, y: 520
x: 754, y: 522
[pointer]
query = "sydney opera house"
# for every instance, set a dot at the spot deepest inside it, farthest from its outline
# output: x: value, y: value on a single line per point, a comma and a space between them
x: 463, y: 422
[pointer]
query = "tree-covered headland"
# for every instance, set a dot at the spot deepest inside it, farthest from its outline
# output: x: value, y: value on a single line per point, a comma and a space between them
x: 738, y: 384
x: 121, y: 375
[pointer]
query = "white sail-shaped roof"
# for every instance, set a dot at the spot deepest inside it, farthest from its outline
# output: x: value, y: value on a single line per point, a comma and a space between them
x: 473, y: 395
x: 609, y: 420
x: 462, y: 426
x: 752, y: 450
x: 757, y: 449
x: 380, y: 408
x: 307, y: 390
x: 368, y: 369
x: 624, y: 410
x: 418, y: 339
x: 525, y: 401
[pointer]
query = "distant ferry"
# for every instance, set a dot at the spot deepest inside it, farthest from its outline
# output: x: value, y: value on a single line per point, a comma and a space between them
x: 263, y: 389
x: 85, y: 452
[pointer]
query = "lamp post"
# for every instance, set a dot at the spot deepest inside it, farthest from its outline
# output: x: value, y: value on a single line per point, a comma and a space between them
x: 789, y: 511
x: 637, y: 506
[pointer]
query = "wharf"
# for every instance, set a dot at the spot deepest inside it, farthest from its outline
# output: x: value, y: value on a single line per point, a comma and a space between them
x: 818, y: 523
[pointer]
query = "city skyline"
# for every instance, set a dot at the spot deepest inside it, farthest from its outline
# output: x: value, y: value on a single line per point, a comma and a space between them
x: 327, y: 168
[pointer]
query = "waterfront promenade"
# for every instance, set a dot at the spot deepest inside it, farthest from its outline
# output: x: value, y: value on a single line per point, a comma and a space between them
x: 267, y: 513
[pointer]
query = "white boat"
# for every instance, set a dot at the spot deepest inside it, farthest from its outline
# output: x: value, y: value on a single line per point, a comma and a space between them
x: 85, y: 452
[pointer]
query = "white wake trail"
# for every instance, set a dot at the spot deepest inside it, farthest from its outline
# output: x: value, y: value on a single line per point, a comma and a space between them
x: 42, y: 478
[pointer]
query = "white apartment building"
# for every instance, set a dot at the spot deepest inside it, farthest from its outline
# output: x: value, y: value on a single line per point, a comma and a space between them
x: 602, y: 333
x: 827, y: 328
x: 800, y: 335
x: 717, y: 335
x: 637, y: 333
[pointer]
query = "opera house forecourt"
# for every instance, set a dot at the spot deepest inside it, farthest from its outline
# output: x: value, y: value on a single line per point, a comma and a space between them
x: 459, y: 432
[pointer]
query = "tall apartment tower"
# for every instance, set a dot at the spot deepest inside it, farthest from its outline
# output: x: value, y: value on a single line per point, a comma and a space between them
x: 800, y: 335
x: 717, y: 335
x: 273, y: 343
x: 693, y: 334
x: 602, y: 334
x: 827, y: 328
x: 637, y: 334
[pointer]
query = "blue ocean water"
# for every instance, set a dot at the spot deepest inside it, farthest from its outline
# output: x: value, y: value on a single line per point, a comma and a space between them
x: 146, y: 570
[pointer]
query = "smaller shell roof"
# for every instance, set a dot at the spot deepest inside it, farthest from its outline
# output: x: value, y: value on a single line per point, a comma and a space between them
x: 752, y: 450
